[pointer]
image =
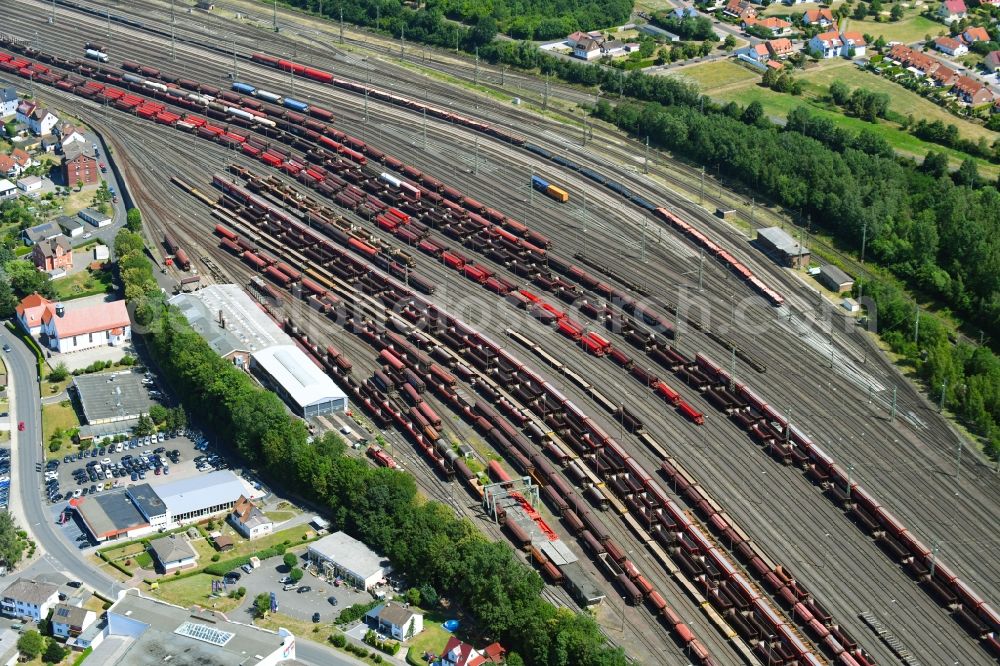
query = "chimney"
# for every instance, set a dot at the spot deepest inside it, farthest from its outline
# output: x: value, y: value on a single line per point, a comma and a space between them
x: 222, y: 319
x: 60, y: 310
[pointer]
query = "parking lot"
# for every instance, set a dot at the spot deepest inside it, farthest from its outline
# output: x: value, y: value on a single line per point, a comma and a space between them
x: 138, y: 460
x: 4, y: 477
x: 300, y: 605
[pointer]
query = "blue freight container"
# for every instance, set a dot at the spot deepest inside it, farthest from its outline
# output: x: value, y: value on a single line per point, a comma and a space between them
x: 296, y: 104
x: 244, y: 88
x: 538, y: 183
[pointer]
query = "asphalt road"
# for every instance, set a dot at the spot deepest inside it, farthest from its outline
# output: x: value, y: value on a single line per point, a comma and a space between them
x: 21, y: 363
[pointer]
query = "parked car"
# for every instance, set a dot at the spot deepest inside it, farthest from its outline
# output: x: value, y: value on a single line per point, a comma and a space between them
x: 304, y: 588
x: 332, y: 600
x: 316, y: 617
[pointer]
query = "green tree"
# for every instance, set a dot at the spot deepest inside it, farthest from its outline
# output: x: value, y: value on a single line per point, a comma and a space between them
x: 159, y: 414
x: 729, y: 43
x: 10, y: 128
x: 896, y: 13
x: 262, y: 605
x: 860, y: 12
x: 11, y: 546
x: 839, y: 93
x: 144, y: 426
x: 25, y: 279
x: 54, y: 652
x: 296, y: 574
x: 31, y: 643
x: 428, y: 595
x: 60, y: 373
x: 413, y: 596
x: 753, y: 113
x: 290, y: 560
x: 968, y: 173
x: 79, y: 185
x: 133, y: 220
x: 8, y: 299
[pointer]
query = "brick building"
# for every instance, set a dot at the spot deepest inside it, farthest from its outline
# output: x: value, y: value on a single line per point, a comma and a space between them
x: 78, y: 166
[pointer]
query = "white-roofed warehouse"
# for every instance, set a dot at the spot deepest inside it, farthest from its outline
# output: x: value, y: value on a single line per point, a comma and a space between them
x: 301, y: 383
x: 199, y: 496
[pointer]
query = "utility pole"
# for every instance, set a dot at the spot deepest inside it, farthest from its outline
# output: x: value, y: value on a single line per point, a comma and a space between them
x: 109, y: 19
x: 944, y: 387
x: 732, y: 366
x: 645, y: 163
x: 475, y: 163
x: 753, y: 209
x: 701, y: 265
x: 864, y: 240
x: 236, y: 67
x: 503, y: 72
x: 402, y: 38
x: 850, y: 482
x: 701, y: 193
x: 892, y: 413
x: 341, y: 25
x: 934, y: 551
x: 425, y: 128
x: 173, y: 46
x: 477, y: 66
x: 916, y: 325
x: 275, y: 19
x: 958, y: 464
x: 642, y: 245
x: 53, y: 19
x: 545, y: 99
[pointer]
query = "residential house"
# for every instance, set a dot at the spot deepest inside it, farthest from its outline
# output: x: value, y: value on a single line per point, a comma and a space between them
x: 741, y: 9
x: 71, y: 621
x: 24, y: 111
x: 920, y: 63
x: 821, y: 17
x: 780, y: 48
x: 69, y: 134
x: 172, y: 553
x: 79, y: 166
x: 793, y: 2
x: 971, y: 91
x: 992, y: 61
x: 82, y: 327
x: 8, y: 167
x: 944, y: 77
x: 458, y: 653
x: 395, y: 620
x: 53, y: 254
x: 826, y: 45
x: 587, y: 49
x: 772, y: 24
x: 250, y: 521
x: 950, y: 46
x: 759, y: 53
x: 26, y: 598
x: 854, y: 44
x: 952, y: 10
x: 613, y: 49
x: 8, y: 102
x: 7, y: 189
x: 40, y: 232
x: 975, y: 33
x: 41, y: 121
x: 22, y: 158
x: 576, y: 38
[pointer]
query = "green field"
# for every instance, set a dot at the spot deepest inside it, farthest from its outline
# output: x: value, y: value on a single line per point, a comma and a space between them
x: 57, y: 416
x: 781, y: 9
x: 196, y: 589
x: 432, y: 639
x: 911, y: 29
x: 718, y: 74
x: 727, y: 81
x: 83, y: 283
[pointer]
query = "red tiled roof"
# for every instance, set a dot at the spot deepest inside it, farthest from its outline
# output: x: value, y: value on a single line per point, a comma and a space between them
x: 976, y: 34
x: 100, y: 317
x: 948, y: 43
x: 781, y: 46
x: 6, y: 164
x: 955, y: 6
x: 814, y: 15
x: 853, y: 38
x: 20, y: 156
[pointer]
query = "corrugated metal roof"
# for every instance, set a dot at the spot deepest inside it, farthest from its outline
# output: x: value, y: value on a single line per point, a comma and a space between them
x: 200, y: 492
x: 781, y: 240
x: 349, y: 553
x: 302, y: 379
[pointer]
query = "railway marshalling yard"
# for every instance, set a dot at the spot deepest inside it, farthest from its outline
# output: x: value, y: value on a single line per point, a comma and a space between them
x: 795, y: 522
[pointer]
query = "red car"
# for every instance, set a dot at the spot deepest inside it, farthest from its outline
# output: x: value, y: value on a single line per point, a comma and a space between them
x: 20, y: 425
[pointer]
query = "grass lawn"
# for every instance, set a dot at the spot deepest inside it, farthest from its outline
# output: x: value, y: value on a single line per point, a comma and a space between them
x: 911, y: 29
x: 714, y: 75
x: 77, y: 201
x: 781, y: 9
x: 280, y: 516
x: 194, y: 590
x: 96, y: 604
x: 56, y: 416
x: 83, y: 283
x: 318, y: 632
x: 432, y: 639
x: 128, y: 550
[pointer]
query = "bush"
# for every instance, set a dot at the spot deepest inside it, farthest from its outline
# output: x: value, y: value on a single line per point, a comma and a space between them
x: 55, y: 445
x: 338, y: 640
x: 296, y: 574
x: 355, y: 612
x: 216, y: 557
x: 31, y: 643
x: 290, y: 560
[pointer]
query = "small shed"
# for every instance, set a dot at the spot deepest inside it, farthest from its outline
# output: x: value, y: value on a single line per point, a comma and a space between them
x: 835, y: 279
x: 95, y: 217
x: 222, y: 542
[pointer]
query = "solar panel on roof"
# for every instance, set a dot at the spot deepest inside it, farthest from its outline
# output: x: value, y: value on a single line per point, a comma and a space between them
x: 204, y: 633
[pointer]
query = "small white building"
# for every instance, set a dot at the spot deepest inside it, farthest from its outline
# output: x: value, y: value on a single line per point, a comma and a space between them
x: 27, y: 598
x: 250, y: 521
x: 8, y: 102
x: 395, y: 620
x: 30, y: 184
x: 173, y: 553
x: 70, y: 226
x: 95, y: 217
x: 71, y: 621
x: 68, y: 330
x: 7, y: 189
x: 350, y: 559
x: 41, y: 121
